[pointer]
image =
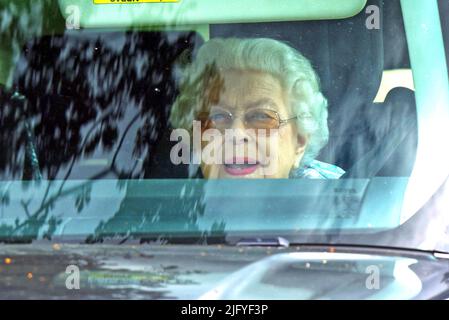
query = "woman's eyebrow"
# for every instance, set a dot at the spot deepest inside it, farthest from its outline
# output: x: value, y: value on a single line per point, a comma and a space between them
x: 264, y: 102
x: 261, y: 103
x: 222, y: 106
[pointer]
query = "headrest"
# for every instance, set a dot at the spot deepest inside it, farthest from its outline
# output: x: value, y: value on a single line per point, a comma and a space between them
x: 395, y: 42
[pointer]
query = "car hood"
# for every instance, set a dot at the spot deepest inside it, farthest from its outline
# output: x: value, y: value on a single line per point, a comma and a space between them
x: 53, y: 271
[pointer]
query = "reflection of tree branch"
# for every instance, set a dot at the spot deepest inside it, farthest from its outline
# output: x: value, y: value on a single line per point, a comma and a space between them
x: 128, y: 127
x: 60, y: 193
x: 25, y: 207
x: 46, y: 193
x: 47, y: 202
x: 134, y: 167
x: 75, y: 156
x: 83, y: 144
x: 31, y: 158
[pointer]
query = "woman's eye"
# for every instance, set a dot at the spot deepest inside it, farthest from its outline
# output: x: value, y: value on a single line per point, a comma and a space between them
x: 219, y: 117
x: 258, y: 116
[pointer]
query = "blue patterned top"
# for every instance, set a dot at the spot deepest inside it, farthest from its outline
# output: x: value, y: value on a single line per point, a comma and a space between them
x: 317, y: 170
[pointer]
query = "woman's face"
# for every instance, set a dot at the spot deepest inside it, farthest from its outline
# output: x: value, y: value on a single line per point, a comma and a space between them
x: 246, y: 95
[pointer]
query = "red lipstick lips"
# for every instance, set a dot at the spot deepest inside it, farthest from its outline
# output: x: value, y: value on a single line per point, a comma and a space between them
x: 240, y: 166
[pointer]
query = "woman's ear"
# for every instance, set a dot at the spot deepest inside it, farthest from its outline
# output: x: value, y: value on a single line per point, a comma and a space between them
x: 302, y: 142
x: 301, y: 146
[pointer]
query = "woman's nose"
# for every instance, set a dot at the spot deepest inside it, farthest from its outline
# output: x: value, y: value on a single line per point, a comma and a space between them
x: 238, y: 124
x: 238, y: 131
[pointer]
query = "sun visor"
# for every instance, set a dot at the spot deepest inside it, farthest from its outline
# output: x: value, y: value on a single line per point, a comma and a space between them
x: 136, y: 13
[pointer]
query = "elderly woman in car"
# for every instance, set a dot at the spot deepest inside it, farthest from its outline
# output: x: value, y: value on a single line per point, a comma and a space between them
x: 259, y: 99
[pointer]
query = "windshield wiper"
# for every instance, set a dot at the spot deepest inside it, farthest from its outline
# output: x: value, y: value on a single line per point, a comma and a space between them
x: 264, y: 242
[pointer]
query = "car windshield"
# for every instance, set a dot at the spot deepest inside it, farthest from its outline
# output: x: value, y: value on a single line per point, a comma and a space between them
x: 199, y: 122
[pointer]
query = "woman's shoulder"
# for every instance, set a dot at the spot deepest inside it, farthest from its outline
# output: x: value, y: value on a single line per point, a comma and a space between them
x: 317, y: 170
